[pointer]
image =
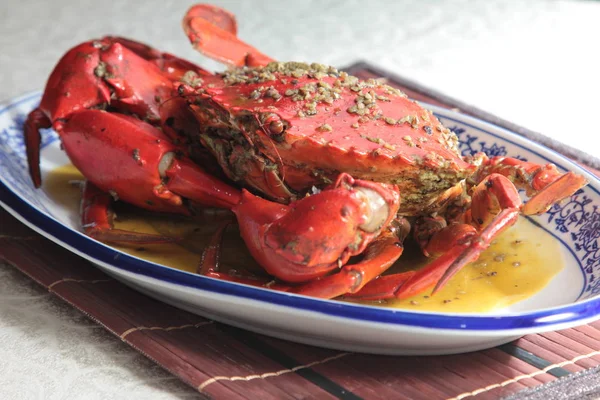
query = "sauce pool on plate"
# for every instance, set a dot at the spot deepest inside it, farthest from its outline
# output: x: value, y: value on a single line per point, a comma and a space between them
x: 517, y: 265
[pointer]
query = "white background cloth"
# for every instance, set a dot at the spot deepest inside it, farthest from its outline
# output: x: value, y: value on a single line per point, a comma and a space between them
x: 535, y: 63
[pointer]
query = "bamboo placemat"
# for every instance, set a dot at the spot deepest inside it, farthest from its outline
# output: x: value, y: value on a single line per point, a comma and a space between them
x: 223, y: 362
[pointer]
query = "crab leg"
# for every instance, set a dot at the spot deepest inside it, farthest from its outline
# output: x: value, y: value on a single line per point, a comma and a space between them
x: 499, y: 224
x: 96, y: 220
x: 213, y: 32
x: 31, y: 131
x: 435, y: 237
x: 563, y: 187
x: 544, y: 183
x: 447, y: 242
x: 382, y: 287
x: 380, y: 255
x: 410, y: 283
x: 448, y: 238
x: 495, y: 207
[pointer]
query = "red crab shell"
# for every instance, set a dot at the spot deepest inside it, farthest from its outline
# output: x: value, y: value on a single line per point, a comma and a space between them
x: 286, y: 127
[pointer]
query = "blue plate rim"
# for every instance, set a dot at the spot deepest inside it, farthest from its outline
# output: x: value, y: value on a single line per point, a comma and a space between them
x: 544, y: 319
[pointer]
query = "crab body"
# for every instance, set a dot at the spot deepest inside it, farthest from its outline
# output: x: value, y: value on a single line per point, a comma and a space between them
x: 286, y: 127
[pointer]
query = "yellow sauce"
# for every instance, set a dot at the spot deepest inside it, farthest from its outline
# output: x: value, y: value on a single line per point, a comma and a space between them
x: 517, y: 265
x: 512, y: 269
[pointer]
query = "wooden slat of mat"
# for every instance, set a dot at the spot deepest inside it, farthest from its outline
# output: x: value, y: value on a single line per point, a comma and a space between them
x: 187, y: 345
x: 225, y: 362
x: 405, y: 377
x: 292, y: 365
x: 417, y: 377
x: 576, y: 342
x: 588, y: 332
x: 510, y: 366
x: 554, y: 352
x: 532, y: 359
x: 427, y: 377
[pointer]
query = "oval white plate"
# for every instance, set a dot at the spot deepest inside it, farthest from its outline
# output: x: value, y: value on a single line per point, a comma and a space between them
x: 570, y: 299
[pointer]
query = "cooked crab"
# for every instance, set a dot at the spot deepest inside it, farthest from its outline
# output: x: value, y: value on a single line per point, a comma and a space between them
x: 317, y: 165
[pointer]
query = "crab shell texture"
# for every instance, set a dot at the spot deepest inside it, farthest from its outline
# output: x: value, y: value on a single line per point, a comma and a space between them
x: 286, y: 127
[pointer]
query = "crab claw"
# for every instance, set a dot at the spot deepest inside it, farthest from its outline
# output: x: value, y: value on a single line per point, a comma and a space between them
x: 136, y: 162
x: 379, y: 255
x: 124, y: 74
x: 319, y: 233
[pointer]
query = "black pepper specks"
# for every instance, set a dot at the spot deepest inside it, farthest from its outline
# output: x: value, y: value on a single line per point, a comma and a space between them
x: 315, y: 89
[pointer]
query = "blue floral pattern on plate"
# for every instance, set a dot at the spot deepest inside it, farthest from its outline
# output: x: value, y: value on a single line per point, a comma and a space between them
x: 469, y: 145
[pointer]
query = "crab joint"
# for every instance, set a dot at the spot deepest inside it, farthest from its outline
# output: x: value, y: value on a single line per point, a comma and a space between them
x: 378, y: 210
x: 276, y: 127
x: 272, y: 124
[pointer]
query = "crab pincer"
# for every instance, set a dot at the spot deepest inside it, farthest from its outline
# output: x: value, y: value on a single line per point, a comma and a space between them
x: 306, y: 245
